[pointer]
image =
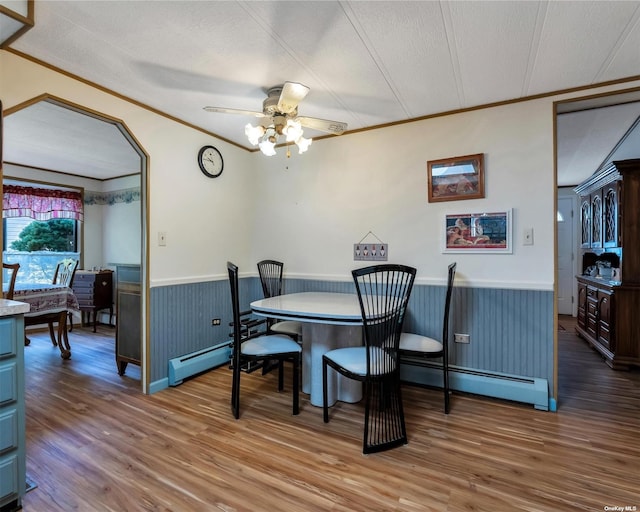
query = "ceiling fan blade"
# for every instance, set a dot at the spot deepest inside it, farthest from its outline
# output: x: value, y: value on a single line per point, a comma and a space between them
x: 323, y: 125
x: 292, y: 94
x: 222, y: 110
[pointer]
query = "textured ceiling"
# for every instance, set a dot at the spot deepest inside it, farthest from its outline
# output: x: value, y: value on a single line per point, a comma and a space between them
x: 367, y: 63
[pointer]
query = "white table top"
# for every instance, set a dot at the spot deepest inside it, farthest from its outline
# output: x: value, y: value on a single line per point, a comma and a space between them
x: 313, y: 307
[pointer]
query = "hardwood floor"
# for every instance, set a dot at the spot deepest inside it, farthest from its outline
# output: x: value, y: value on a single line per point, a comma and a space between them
x: 95, y: 443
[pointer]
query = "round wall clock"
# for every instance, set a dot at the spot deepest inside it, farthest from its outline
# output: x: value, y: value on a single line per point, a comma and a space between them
x: 210, y: 161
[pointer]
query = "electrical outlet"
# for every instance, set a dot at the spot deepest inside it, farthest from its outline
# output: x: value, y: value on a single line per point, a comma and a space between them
x: 215, y: 321
x: 462, y: 338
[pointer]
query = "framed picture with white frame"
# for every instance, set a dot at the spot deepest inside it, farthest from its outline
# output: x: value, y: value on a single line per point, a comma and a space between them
x: 487, y: 232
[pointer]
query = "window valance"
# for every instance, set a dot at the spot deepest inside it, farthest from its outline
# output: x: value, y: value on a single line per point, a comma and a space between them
x: 41, y: 203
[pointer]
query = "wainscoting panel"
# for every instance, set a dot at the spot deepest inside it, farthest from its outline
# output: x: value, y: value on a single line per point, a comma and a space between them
x: 181, y: 318
x: 511, y: 330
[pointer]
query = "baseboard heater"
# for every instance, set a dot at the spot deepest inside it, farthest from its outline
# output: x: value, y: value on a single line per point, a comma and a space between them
x: 191, y: 364
x: 494, y: 384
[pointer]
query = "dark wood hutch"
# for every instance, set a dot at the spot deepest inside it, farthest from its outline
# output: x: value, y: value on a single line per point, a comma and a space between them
x: 609, y: 284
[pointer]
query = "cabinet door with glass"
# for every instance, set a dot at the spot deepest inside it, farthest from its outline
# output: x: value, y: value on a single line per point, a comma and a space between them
x: 596, y: 220
x: 610, y: 217
x: 585, y: 223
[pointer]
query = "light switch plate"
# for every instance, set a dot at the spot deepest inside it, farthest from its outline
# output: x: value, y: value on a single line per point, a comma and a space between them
x: 528, y: 236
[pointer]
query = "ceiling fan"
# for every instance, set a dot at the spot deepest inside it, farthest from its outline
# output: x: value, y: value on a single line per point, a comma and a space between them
x: 280, y: 117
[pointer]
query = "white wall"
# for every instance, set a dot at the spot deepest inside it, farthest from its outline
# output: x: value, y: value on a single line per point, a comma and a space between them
x: 310, y: 214
x: 313, y: 213
x: 122, y: 225
x: 205, y: 220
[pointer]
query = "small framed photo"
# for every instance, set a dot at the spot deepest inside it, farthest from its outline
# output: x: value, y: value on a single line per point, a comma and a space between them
x: 453, y: 179
x: 478, y: 232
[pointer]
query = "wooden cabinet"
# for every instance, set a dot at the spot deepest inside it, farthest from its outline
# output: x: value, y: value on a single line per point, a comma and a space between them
x: 605, y: 315
x: 609, y: 305
x: 12, y: 415
x: 582, y: 305
x: 129, y: 316
x: 94, y: 291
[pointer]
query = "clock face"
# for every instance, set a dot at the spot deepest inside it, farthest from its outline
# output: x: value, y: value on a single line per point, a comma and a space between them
x: 210, y: 161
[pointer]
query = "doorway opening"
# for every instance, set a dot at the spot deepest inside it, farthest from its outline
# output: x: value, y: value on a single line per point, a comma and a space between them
x: 590, y: 133
x: 91, y: 151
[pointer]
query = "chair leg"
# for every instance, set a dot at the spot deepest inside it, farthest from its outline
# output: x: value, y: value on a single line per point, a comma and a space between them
x: 52, y: 335
x: 235, y: 389
x: 325, y: 405
x: 296, y: 385
x: 280, y: 375
x: 446, y: 388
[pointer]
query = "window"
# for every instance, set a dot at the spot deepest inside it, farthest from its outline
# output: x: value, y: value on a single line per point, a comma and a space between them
x: 38, y: 245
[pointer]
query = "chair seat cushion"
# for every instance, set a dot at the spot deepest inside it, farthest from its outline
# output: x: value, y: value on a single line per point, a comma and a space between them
x: 288, y: 327
x: 266, y: 345
x: 410, y: 342
x: 354, y: 359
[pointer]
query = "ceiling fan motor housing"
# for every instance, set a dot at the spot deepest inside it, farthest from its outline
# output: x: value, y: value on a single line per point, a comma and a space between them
x: 270, y: 104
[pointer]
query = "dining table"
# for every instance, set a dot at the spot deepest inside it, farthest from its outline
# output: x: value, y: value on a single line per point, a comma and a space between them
x: 48, y: 302
x: 329, y: 320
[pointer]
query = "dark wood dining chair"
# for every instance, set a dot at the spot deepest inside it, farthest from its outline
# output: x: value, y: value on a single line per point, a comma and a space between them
x: 63, y: 275
x: 254, y: 347
x: 416, y: 349
x: 383, y: 293
x: 65, y: 272
x: 270, y: 272
x: 12, y: 269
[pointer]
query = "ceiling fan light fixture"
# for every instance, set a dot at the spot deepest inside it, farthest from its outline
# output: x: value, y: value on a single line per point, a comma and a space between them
x: 267, y: 147
x: 293, y: 130
x: 280, y: 114
x: 254, y: 133
x: 303, y: 144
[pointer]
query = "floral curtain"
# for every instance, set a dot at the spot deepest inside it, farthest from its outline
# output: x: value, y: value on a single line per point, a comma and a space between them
x: 41, y: 203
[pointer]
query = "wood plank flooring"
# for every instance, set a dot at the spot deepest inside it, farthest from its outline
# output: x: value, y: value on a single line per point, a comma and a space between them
x: 95, y: 443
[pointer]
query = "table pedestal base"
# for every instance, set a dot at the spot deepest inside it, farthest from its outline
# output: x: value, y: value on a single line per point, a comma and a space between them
x: 317, y: 339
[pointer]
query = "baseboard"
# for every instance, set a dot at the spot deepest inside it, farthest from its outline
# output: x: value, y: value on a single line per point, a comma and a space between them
x: 191, y: 364
x: 479, y: 382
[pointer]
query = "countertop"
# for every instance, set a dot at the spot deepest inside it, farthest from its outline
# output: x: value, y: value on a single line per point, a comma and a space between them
x: 13, y: 307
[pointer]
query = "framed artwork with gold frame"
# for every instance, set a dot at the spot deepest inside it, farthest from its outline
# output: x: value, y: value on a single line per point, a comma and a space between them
x: 453, y: 179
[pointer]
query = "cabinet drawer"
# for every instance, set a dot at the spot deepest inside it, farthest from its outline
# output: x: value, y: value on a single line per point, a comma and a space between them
x: 8, y: 383
x: 82, y: 279
x: 8, y: 346
x: 8, y: 430
x: 8, y: 477
x: 81, y: 285
x: 592, y: 292
x: 604, y: 336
